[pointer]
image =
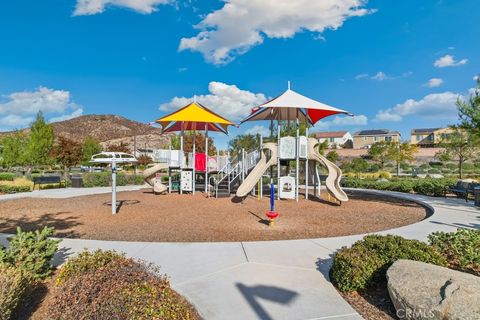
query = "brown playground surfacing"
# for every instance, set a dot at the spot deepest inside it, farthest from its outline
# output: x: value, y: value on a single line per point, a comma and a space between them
x: 144, y: 216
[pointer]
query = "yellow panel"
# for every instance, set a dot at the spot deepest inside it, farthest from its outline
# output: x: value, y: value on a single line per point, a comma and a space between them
x: 193, y: 113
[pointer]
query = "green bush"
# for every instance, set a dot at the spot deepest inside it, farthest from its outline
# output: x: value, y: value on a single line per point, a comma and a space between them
x: 31, y: 252
x: 13, y: 285
x: 428, y: 186
x: 356, y: 267
x: 461, y: 248
x: 7, y: 176
x: 107, y: 285
x: 104, y: 179
x: 14, y: 189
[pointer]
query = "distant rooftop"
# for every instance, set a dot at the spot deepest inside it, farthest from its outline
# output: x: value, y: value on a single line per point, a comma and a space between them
x: 332, y: 134
x: 375, y: 132
x: 427, y: 130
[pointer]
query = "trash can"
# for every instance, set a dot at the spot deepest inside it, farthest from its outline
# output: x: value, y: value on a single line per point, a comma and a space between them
x: 476, y: 191
x: 77, y: 181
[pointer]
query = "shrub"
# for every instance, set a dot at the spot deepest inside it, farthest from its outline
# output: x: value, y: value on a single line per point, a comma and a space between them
x: 4, y: 188
x: 428, y: 187
x: 86, y: 261
x: 31, y: 252
x: 7, y: 176
x: 12, y: 288
x: 461, y: 248
x: 104, y: 179
x: 356, y: 267
x: 106, y: 285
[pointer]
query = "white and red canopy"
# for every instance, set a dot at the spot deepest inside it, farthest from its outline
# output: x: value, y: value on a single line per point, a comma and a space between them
x: 291, y: 105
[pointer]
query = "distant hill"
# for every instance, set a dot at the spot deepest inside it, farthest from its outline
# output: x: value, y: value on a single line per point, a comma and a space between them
x: 109, y: 129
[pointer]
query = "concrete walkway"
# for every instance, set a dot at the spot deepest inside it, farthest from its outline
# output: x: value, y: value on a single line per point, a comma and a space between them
x: 270, y: 279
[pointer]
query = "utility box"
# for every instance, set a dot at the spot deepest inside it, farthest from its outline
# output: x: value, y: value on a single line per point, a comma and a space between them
x: 77, y: 181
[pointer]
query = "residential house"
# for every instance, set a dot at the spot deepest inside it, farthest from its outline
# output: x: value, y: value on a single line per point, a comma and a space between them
x: 335, y: 139
x: 365, y: 138
x: 429, y: 138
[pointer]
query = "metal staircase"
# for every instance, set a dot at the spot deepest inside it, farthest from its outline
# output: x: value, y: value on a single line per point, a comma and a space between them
x: 231, y: 176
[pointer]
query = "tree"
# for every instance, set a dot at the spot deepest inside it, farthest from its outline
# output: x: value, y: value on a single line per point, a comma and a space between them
x: 67, y: 152
x: 119, y: 147
x: 199, y: 143
x: 249, y: 142
x: 459, y: 146
x: 322, y: 146
x: 14, y: 149
x: 144, y: 159
x: 40, y: 142
x: 359, y: 165
x: 469, y: 112
x: 380, y: 152
x: 402, y: 152
x: 90, y: 147
x: 333, y: 156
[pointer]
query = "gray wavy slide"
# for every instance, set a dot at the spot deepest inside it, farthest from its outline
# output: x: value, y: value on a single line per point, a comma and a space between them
x: 269, y: 158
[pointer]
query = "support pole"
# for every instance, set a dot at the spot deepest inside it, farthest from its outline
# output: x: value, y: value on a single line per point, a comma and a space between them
x: 193, y: 166
x: 114, y: 187
x: 261, y: 177
x: 278, y: 159
x: 297, y: 158
x: 206, y: 159
x: 306, y: 164
x: 181, y: 160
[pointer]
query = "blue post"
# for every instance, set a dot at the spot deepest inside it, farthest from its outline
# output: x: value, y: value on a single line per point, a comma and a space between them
x: 272, y: 197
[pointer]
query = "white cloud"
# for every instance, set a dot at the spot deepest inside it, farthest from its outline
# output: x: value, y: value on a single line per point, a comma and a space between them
x: 380, y: 76
x: 91, y: 7
x: 227, y: 100
x: 242, y: 24
x: 475, y: 78
x: 361, y: 76
x: 20, y: 108
x: 434, y: 82
x: 433, y: 106
x: 449, y: 61
x: 342, y: 121
x: 74, y: 114
x: 262, y: 130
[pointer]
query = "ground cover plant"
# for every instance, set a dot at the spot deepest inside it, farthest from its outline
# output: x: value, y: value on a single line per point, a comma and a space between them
x: 107, y: 285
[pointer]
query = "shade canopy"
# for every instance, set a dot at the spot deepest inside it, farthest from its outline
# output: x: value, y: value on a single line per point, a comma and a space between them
x: 190, y: 126
x: 286, y: 105
x: 194, y: 116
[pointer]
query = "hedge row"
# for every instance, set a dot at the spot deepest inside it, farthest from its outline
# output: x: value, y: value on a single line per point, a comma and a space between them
x: 428, y: 186
x: 7, y: 176
x: 14, y: 189
x: 104, y: 179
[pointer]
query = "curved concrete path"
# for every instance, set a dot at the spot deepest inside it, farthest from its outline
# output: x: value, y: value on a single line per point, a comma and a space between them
x: 270, y: 279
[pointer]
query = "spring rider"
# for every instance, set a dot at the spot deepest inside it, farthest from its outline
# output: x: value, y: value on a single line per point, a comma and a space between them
x: 272, y: 215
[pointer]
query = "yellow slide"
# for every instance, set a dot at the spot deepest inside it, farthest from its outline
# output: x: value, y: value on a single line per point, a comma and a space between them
x: 149, y: 175
x: 268, y: 159
x: 334, y: 172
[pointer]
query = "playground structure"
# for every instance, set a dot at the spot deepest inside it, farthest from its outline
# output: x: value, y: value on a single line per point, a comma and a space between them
x: 224, y: 176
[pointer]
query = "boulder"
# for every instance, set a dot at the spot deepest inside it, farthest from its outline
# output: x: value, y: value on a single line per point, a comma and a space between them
x: 420, y: 290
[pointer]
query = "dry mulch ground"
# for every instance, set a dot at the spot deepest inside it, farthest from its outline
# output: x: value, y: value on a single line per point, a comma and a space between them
x: 144, y: 216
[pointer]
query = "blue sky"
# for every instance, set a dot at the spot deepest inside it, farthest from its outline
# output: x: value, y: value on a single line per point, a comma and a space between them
x: 395, y: 64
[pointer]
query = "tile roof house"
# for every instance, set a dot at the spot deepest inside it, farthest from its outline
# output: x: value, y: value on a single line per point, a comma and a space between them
x: 335, y: 139
x: 365, y: 138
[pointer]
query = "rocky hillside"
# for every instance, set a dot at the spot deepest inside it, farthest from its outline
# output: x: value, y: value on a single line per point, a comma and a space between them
x: 111, y: 129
